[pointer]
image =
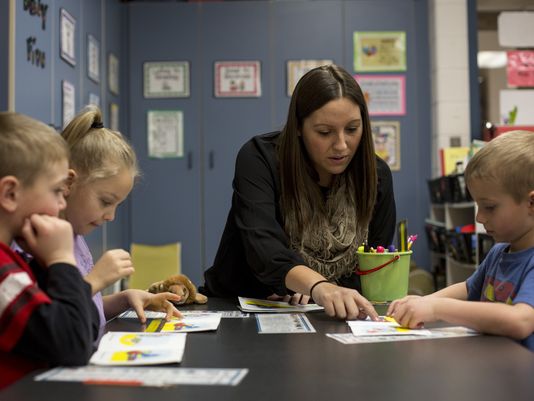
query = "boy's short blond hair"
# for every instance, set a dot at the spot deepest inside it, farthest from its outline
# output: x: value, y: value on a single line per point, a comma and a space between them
x: 507, y: 160
x: 27, y: 147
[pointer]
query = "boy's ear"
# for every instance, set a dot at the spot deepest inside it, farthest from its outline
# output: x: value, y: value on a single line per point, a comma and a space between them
x: 10, y: 188
x: 71, y: 178
x: 531, y: 200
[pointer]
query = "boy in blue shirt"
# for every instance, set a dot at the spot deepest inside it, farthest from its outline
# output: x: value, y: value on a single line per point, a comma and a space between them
x: 500, y: 178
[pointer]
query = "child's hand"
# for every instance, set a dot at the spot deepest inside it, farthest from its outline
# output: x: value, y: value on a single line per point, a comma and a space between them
x: 49, y: 239
x: 112, y: 266
x: 413, y: 311
x: 140, y: 300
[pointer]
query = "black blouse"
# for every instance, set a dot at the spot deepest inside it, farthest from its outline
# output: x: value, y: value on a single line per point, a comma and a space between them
x: 254, y: 254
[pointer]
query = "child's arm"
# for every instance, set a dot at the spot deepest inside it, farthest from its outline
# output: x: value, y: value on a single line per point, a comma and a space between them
x: 140, y: 300
x: 61, y: 331
x: 112, y: 266
x: 456, y: 291
x: 515, y: 321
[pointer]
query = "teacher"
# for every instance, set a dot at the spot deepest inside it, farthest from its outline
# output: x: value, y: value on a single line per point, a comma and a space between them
x: 304, y: 199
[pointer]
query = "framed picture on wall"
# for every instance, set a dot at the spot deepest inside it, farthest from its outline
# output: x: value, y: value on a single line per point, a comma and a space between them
x: 166, y: 79
x: 380, y: 51
x: 237, y: 79
x: 386, y: 137
x: 67, y: 35
x: 94, y: 99
x: 385, y: 94
x: 165, y: 133
x: 113, y: 74
x: 93, y: 58
x: 297, y: 68
x: 68, y: 101
x: 114, y: 116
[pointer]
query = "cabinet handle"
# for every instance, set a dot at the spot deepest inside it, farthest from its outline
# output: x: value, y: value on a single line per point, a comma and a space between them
x: 211, y: 159
x: 189, y: 160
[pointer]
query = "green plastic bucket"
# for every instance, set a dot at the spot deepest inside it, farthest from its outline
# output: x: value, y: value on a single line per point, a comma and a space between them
x: 384, y: 276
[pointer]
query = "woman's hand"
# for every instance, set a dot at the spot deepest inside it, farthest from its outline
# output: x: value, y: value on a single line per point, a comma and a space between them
x: 343, y: 303
x: 112, y: 266
x: 295, y: 299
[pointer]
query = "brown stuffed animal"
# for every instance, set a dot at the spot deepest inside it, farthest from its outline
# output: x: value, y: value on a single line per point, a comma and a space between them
x: 179, y: 285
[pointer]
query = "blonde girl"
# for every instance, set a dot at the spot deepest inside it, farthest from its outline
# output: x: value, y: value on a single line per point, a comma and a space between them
x: 102, y: 170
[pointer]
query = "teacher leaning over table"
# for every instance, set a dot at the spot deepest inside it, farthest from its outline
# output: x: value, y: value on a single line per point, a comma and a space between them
x: 304, y: 199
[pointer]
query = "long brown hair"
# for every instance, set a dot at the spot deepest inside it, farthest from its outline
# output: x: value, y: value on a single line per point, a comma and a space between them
x: 301, y: 195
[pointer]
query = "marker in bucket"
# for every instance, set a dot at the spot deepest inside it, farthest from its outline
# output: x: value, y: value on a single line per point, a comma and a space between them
x: 411, y: 240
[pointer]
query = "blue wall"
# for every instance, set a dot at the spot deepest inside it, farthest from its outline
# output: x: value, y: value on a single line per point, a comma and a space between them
x: 38, y: 88
x: 189, y: 203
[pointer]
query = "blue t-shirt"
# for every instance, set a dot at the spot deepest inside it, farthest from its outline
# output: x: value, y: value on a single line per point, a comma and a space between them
x: 505, y: 277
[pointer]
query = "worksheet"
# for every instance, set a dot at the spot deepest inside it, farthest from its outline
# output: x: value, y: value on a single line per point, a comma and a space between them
x: 264, y: 305
x: 130, y: 314
x: 442, y: 332
x: 274, y: 323
x: 387, y: 326
x: 144, y: 376
x: 133, y: 348
x: 191, y: 321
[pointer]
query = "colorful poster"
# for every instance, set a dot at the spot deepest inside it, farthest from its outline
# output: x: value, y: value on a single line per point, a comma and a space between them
x: 380, y: 51
x: 166, y: 79
x: 520, y: 68
x: 386, y: 137
x: 385, y: 94
x: 297, y: 68
x: 237, y: 79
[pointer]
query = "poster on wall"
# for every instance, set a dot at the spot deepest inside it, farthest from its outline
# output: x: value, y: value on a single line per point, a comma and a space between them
x: 237, y: 79
x: 93, y: 58
x: 385, y: 94
x: 94, y: 99
x: 68, y: 100
x: 67, y: 34
x: 386, y: 137
x: 380, y: 51
x: 297, y: 68
x: 520, y: 68
x: 113, y: 74
x: 114, y: 116
x: 166, y: 79
x: 165, y: 133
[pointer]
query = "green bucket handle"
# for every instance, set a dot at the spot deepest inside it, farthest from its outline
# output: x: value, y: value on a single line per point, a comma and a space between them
x: 374, y: 269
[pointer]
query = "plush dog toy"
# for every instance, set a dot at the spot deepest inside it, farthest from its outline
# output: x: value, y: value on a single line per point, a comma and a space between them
x: 179, y: 285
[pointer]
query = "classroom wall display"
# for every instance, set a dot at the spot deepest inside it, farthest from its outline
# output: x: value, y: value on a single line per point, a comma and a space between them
x: 520, y: 68
x: 386, y: 137
x: 68, y: 95
x: 67, y: 37
x: 93, y: 58
x: 113, y: 74
x: 297, y: 68
x: 93, y: 99
x: 114, y: 116
x: 165, y: 133
x: 237, y: 79
x: 166, y: 79
x: 380, y: 51
x: 385, y: 94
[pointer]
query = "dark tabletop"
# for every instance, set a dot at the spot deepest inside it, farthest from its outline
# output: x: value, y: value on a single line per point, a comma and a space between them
x: 312, y: 366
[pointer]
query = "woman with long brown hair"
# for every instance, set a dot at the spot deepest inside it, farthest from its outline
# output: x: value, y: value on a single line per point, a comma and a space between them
x: 304, y: 199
